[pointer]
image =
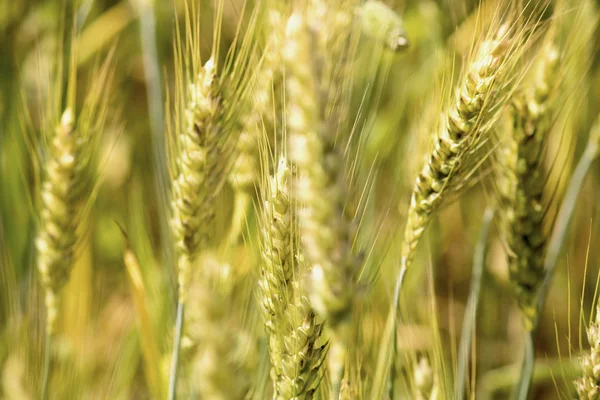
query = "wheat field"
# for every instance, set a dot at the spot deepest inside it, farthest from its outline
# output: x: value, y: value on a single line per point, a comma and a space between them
x: 306, y: 199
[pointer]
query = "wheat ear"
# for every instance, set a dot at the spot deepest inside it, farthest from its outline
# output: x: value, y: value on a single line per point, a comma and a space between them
x: 202, y: 127
x: 64, y: 190
x: 424, y: 381
x: 588, y: 385
x: 194, y: 187
x: 191, y: 212
x: 60, y: 194
x: 457, y: 148
x: 259, y: 111
x: 292, y: 329
x: 379, y: 22
x: 317, y: 57
x: 522, y: 184
x: 465, y: 126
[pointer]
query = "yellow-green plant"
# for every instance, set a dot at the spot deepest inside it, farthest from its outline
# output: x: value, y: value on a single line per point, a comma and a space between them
x: 464, y: 128
x: 203, y: 125
x: 66, y: 191
x: 588, y: 385
x: 523, y: 210
x: 293, y: 329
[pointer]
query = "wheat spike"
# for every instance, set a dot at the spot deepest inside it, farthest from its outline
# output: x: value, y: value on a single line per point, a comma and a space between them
x: 522, y: 183
x: 317, y: 60
x: 379, y: 22
x: 325, y: 232
x: 291, y: 325
x: 465, y: 126
x: 588, y: 386
x: 196, y: 161
x: 424, y: 380
x: 259, y: 112
x: 61, y: 193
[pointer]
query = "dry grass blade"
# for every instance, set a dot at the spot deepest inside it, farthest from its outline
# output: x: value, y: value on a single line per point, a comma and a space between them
x: 149, y: 342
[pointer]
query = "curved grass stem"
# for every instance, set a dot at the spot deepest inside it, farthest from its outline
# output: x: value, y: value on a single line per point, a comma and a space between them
x: 175, y: 356
x: 523, y: 387
x: 396, y: 316
x: 47, y: 366
x: 564, y: 215
x: 472, y: 304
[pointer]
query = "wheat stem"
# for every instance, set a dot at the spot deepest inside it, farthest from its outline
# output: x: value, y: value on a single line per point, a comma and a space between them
x: 472, y: 304
x: 523, y: 386
x: 172, y: 393
x: 559, y: 233
x: 47, y: 366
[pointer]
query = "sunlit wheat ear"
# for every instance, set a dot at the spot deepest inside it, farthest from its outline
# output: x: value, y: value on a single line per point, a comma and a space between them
x: 588, y: 386
x: 220, y: 353
x: 317, y: 58
x: 260, y: 103
x: 201, y: 132
x: 60, y: 194
x: 65, y: 184
x: 380, y: 23
x: 196, y: 164
x: 522, y: 180
x: 465, y: 126
x: 277, y: 261
x: 424, y: 381
x: 293, y: 332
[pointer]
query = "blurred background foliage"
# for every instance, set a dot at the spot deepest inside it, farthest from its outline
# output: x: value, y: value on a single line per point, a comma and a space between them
x: 104, y: 354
